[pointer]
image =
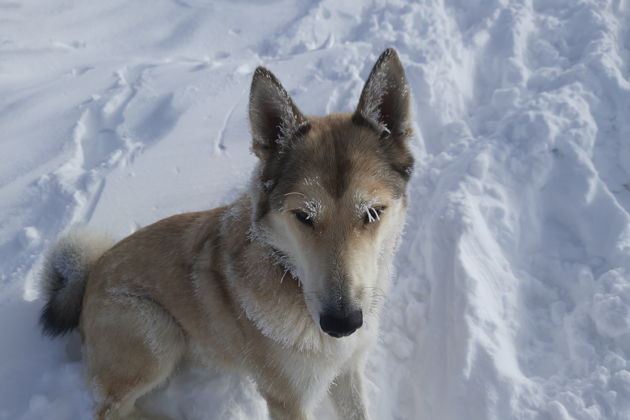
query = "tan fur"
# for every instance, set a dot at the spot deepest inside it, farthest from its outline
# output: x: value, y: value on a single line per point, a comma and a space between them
x: 242, y: 287
x: 163, y: 293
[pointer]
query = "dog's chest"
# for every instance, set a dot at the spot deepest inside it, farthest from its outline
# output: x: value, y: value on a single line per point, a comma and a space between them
x: 311, y: 373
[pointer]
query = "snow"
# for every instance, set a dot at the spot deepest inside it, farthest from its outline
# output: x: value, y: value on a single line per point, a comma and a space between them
x: 512, y: 298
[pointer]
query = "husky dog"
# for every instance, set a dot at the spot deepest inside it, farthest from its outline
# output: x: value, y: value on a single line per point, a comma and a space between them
x: 283, y: 285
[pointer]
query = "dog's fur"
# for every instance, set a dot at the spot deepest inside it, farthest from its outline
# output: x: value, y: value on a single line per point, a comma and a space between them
x: 283, y: 285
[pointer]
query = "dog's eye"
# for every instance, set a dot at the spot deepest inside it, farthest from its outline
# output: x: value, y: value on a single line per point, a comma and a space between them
x: 304, y: 218
x: 373, y: 214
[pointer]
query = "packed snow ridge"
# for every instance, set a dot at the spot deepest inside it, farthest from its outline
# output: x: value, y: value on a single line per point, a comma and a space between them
x: 512, y: 298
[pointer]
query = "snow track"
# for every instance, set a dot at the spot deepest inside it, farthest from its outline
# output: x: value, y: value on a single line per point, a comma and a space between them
x: 512, y: 299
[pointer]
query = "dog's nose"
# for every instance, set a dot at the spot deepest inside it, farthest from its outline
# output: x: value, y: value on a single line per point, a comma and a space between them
x: 340, y: 325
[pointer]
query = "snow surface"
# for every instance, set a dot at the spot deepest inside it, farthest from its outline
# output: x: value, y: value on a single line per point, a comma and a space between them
x: 513, y: 297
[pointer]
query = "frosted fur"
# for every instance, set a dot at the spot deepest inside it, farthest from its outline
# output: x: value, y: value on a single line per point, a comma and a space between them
x: 293, y: 329
x: 312, y: 181
x: 311, y: 206
x: 369, y: 209
x: 373, y: 215
x: 304, y: 334
x: 373, y: 94
x: 269, y: 104
x: 259, y: 235
x: 289, y: 124
x: 384, y: 102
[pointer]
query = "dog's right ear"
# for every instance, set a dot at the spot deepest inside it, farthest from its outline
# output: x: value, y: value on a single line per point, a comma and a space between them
x: 385, y: 102
x: 274, y: 118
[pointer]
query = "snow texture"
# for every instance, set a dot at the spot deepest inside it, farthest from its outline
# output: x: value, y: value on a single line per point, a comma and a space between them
x: 512, y: 299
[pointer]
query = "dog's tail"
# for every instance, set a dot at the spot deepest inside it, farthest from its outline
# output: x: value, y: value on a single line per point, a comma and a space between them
x: 64, y: 277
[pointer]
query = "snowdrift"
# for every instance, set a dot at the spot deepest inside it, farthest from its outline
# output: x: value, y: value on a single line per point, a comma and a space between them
x: 512, y: 299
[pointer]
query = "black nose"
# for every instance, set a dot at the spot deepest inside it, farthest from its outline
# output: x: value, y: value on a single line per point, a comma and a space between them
x: 341, y: 325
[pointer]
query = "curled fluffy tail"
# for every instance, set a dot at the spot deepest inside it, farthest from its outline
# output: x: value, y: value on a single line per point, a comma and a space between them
x: 64, y: 277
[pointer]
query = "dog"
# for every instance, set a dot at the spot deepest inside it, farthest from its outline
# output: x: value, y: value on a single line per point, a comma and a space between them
x: 283, y: 285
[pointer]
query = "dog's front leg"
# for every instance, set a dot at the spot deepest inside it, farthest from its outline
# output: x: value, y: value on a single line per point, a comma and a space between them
x: 348, y: 396
x: 281, y: 410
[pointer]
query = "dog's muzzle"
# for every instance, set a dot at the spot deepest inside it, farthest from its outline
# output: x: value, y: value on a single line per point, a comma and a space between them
x: 341, y: 325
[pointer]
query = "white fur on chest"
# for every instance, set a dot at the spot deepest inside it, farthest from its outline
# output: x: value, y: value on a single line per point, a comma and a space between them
x: 312, y: 373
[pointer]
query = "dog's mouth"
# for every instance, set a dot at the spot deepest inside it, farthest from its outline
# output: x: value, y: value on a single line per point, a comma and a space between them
x: 339, y: 335
x: 340, y: 325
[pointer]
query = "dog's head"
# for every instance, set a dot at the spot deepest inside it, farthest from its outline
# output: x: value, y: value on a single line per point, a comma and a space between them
x: 330, y: 193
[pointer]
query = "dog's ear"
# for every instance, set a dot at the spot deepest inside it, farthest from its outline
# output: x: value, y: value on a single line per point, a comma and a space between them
x: 274, y: 118
x: 384, y: 102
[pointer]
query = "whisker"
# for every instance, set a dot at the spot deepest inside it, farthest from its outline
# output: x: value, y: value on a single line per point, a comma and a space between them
x: 285, y: 273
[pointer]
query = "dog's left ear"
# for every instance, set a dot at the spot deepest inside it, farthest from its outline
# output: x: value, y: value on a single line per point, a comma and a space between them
x: 274, y: 118
x: 384, y: 102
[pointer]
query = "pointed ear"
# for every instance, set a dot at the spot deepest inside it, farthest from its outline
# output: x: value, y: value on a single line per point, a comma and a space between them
x: 384, y: 102
x: 274, y: 118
